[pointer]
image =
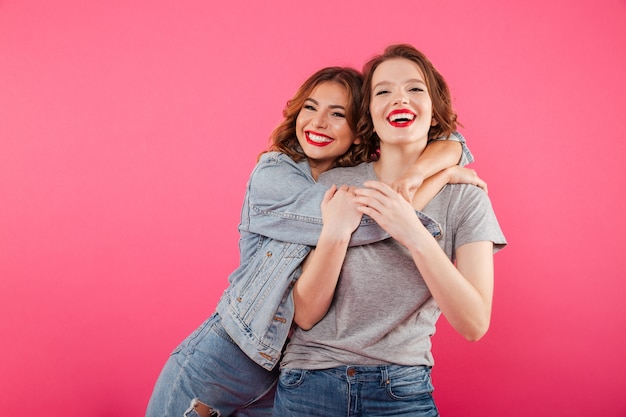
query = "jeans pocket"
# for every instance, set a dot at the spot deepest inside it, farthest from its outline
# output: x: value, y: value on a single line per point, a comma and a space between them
x: 291, y: 378
x: 411, y: 383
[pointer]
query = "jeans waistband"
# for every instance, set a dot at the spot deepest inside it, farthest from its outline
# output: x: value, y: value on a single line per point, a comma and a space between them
x: 373, y: 373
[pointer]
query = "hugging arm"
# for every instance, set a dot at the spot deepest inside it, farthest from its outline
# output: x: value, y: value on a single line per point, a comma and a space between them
x: 313, y: 292
x: 283, y: 203
x: 452, y: 175
x: 439, y: 154
x: 283, y: 200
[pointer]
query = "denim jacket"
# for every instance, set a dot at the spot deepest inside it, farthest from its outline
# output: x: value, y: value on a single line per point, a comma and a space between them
x: 280, y: 221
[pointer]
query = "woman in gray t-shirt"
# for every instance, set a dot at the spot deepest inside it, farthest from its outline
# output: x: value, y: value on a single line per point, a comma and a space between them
x: 367, y: 350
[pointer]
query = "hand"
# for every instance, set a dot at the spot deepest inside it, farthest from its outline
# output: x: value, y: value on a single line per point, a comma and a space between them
x: 339, y: 210
x: 460, y: 175
x: 390, y: 210
x: 408, y: 184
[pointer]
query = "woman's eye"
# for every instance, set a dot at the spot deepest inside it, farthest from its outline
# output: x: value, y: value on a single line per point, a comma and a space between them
x: 416, y: 89
x: 381, y: 92
x: 341, y: 115
x: 308, y: 107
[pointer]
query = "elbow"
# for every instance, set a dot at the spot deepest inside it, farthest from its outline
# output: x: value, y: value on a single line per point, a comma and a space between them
x: 306, y: 318
x: 476, y: 332
x: 474, y: 337
x: 304, y: 324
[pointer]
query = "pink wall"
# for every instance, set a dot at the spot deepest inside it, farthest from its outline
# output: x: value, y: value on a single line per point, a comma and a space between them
x: 128, y: 130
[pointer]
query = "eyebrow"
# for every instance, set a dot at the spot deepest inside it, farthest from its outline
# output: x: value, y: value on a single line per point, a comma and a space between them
x: 410, y: 81
x: 332, y: 106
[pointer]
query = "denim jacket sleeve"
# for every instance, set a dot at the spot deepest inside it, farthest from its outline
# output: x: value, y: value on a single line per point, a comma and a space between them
x: 283, y: 203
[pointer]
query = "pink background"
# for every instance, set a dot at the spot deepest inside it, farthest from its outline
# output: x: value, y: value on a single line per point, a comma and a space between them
x: 128, y: 130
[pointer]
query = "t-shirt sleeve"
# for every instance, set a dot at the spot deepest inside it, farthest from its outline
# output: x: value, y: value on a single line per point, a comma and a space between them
x: 475, y: 219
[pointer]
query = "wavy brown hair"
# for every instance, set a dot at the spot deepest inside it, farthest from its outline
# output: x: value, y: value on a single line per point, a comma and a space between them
x: 283, y: 138
x: 438, y: 90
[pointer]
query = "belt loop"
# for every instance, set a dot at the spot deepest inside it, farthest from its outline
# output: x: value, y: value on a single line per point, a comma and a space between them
x: 384, y: 374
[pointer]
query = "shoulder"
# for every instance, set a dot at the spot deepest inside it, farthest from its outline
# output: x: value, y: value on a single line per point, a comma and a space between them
x: 348, y: 175
x: 277, y: 164
x: 274, y: 158
x: 466, y: 196
x: 468, y: 211
x: 457, y: 201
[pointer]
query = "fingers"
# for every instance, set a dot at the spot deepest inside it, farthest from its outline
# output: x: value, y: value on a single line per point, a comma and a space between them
x: 477, y: 181
x: 328, y: 195
x: 406, y: 194
x: 379, y: 186
x: 403, y: 189
x: 343, y: 193
x: 348, y: 189
x: 368, y: 211
x: 462, y: 175
x: 374, y: 197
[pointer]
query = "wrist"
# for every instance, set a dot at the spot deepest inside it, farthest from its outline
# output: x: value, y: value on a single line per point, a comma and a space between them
x: 449, y: 174
x: 334, y: 236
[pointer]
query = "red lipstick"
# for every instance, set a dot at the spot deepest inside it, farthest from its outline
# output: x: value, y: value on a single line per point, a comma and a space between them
x: 401, y: 118
x: 317, y: 139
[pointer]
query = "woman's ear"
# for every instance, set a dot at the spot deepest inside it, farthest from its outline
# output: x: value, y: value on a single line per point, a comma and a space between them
x: 357, y: 141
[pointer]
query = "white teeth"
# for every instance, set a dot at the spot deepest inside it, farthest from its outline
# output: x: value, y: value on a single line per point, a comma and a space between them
x: 319, y: 139
x: 401, y: 116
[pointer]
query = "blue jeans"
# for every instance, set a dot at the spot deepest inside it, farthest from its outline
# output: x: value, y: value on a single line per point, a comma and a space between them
x: 208, y: 367
x: 387, y: 390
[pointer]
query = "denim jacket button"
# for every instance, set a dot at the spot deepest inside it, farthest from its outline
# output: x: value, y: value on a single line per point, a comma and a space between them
x: 268, y: 254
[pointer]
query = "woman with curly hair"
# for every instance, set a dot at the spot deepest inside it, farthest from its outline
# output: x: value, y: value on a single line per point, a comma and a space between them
x: 365, y: 349
x: 228, y: 365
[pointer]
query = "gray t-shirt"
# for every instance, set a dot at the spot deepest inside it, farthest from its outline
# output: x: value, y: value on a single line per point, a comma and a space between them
x: 382, y: 311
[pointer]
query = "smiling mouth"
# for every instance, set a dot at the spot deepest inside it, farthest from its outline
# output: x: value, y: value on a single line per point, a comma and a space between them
x: 316, y: 139
x: 401, y: 118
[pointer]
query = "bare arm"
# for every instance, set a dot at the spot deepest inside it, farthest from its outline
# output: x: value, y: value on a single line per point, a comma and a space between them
x: 282, y: 202
x: 314, y: 290
x: 451, y: 175
x: 438, y: 155
x: 463, y: 293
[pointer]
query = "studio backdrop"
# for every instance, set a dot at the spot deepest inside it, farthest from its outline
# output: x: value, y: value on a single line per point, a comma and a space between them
x: 128, y: 130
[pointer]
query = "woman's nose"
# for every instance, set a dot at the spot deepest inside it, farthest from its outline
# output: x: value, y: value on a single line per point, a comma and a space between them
x: 400, y: 98
x: 319, y: 121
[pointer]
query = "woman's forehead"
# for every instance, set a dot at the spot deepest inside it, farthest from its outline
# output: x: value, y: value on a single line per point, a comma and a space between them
x: 396, y: 70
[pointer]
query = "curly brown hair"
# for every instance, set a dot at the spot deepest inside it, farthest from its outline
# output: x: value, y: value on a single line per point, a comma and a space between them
x: 438, y: 90
x: 283, y: 138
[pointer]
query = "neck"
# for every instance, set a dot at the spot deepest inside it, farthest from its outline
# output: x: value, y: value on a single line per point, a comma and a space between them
x: 317, y: 168
x: 396, y: 159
